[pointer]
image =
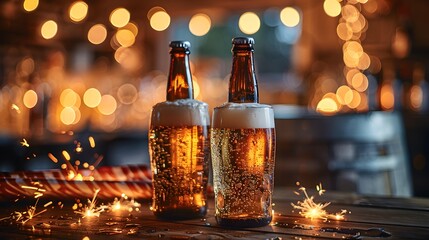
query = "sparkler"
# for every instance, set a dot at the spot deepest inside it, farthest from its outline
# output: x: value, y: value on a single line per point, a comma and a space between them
x: 16, y: 108
x: 24, y: 143
x: 91, y: 209
x: 25, y: 216
x: 124, y: 203
x: 308, y: 208
x: 73, y: 172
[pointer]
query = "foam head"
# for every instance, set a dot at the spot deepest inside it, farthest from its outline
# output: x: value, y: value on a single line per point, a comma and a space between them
x: 243, y: 115
x: 182, y: 112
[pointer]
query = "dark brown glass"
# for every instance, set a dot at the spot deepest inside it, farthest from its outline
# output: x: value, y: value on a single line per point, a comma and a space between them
x: 242, y: 140
x: 243, y: 87
x: 179, y: 84
x: 179, y: 145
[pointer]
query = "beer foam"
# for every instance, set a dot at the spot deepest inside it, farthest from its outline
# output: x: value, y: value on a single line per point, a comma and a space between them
x: 243, y: 115
x: 182, y: 112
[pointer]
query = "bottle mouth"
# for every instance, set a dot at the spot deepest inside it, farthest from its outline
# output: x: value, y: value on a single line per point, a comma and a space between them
x: 242, y: 44
x: 180, y: 46
x: 243, y: 40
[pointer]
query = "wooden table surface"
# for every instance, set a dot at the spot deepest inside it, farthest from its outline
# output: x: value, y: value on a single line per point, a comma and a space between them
x: 369, y: 218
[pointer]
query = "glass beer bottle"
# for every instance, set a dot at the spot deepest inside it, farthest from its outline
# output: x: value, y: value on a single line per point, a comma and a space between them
x: 243, y: 147
x: 179, y: 144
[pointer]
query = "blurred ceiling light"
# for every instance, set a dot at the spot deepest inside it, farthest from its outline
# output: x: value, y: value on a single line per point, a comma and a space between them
x: 364, y: 61
x: 153, y: 11
x: 160, y: 20
x: 49, y: 29
x: 26, y: 67
x: 78, y: 11
x: 350, y: 74
x: 30, y: 5
x: 387, y: 99
x: 68, y: 116
x: 133, y: 28
x: 344, y: 95
x: 127, y: 93
x: 344, y: 32
x: 97, y: 34
x: 416, y: 97
x: 107, y: 105
x: 200, y: 24
x: 350, y: 13
x: 125, y: 37
x: 119, y: 17
x: 249, y: 23
x: 30, y: 98
x: 92, y: 97
x: 332, y: 7
x: 129, y: 58
x: 290, y: 17
x: 69, y: 98
x: 400, y: 43
x: 360, y: 82
x: 328, y: 104
x: 356, y: 101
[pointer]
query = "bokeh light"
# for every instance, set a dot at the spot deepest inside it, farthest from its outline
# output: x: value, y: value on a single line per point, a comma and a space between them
x: 78, y: 11
x: 120, y: 17
x: 30, y: 98
x: 416, y: 97
x: 387, y: 99
x: 127, y: 93
x: 290, y: 17
x: 200, y: 24
x: 97, y: 34
x: 92, y: 97
x: 49, y: 29
x: 107, y: 105
x: 30, y: 5
x: 68, y: 116
x: 332, y: 8
x: 125, y: 37
x: 69, y: 98
x: 344, y: 95
x: 249, y: 23
x: 160, y: 20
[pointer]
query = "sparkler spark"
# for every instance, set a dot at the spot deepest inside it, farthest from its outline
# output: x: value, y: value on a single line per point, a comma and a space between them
x: 16, y: 108
x: 308, y: 208
x: 72, y: 170
x: 24, y: 143
x: 25, y: 216
x: 92, y: 209
x: 124, y: 203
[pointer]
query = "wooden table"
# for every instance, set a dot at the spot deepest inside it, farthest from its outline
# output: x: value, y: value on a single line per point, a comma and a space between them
x: 370, y: 218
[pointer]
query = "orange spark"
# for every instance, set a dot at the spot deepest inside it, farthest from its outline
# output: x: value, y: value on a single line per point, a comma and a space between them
x: 24, y: 143
x: 308, y: 208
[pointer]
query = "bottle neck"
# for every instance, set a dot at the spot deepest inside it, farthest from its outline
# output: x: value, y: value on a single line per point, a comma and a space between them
x: 179, y: 84
x: 243, y: 87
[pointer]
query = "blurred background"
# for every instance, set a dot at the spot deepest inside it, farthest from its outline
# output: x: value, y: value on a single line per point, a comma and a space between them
x: 347, y: 79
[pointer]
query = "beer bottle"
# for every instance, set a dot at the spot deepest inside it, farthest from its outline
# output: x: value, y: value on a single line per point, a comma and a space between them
x: 243, y: 87
x: 179, y: 144
x: 179, y: 84
x: 242, y: 142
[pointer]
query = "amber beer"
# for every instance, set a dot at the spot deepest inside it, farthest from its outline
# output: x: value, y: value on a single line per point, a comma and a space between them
x: 242, y: 147
x: 179, y: 145
x: 243, y: 164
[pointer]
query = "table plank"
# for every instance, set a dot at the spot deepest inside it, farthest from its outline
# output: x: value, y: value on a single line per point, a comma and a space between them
x: 368, y: 219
